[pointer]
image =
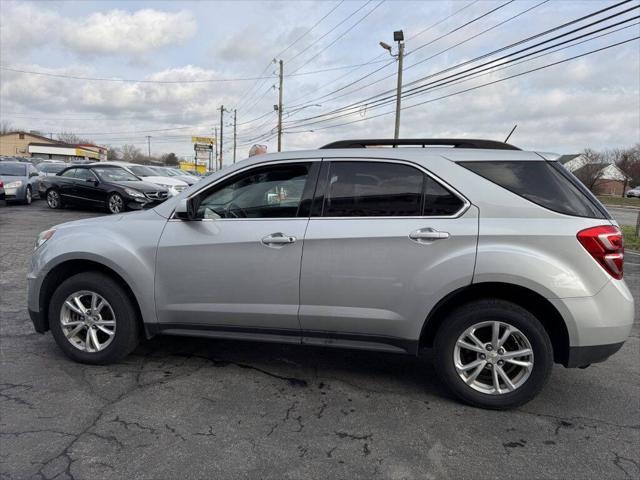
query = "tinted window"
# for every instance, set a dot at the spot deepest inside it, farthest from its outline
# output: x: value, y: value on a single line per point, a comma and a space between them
x: 540, y: 182
x: 142, y: 171
x: 51, y: 167
x: 84, y: 174
x: 438, y: 201
x: 115, y: 174
x: 372, y: 189
x: 71, y: 173
x: 268, y: 192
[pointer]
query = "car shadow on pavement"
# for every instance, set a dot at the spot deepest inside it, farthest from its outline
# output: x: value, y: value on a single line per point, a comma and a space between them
x: 304, y: 365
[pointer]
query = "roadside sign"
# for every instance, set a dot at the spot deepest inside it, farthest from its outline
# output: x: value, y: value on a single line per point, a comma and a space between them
x: 204, y: 140
x: 203, y: 148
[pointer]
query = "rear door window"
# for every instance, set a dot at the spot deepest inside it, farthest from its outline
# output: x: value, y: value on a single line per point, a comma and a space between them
x: 373, y: 189
x: 385, y: 189
x: 544, y: 183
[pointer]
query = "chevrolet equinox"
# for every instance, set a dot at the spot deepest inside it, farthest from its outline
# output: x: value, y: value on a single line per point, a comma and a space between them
x: 498, y: 259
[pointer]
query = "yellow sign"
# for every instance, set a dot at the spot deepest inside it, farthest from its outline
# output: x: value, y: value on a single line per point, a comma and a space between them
x: 205, y: 140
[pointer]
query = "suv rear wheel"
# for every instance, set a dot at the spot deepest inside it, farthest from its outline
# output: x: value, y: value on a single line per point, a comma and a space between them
x: 493, y: 354
x: 93, y: 319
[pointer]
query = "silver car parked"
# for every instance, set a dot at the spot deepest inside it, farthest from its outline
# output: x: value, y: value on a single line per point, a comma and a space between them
x: 21, y: 181
x: 498, y: 259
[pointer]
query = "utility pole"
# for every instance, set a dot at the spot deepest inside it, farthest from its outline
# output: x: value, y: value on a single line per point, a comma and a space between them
x: 234, y: 134
x: 221, y: 136
x: 149, y: 148
x: 280, y: 108
x: 215, y: 131
x: 398, y: 36
x: 400, y: 40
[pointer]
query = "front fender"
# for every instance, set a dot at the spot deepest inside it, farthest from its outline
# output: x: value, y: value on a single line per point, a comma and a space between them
x: 125, y: 245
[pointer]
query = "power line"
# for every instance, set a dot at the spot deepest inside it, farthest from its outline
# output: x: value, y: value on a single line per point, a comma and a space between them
x: 375, y: 59
x: 289, y: 60
x: 481, y: 86
x: 339, y: 37
x: 366, y: 102
x: 309, y: 30
x: 475, y: 19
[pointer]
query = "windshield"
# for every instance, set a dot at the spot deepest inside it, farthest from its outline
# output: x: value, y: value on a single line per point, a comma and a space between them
x: 143, y: 171
x: 52, y: 167
x: 13, y: 169
x: 162, y: 171
x: 115, y: 174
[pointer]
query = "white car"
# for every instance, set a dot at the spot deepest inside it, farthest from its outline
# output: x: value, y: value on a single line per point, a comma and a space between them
x: 148, y: 175
x: 634, y: 192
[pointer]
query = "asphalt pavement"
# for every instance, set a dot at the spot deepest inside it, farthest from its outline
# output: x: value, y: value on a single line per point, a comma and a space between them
x: 181, y: 408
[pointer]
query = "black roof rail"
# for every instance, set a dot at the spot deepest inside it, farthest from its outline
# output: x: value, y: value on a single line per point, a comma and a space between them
x: 422, y: 142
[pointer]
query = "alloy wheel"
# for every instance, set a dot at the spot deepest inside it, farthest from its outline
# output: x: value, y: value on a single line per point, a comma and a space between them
x: 88, y: 321
x: 28, y: 196
x: 493, y: 357
x: 53, y: 199
x: 115, y: 203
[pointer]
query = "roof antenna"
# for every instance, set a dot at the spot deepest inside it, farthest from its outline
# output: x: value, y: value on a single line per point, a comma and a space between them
x: 512, y: 130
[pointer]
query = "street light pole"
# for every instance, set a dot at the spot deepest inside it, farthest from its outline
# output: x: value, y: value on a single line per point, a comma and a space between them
x: 149, y: 148
x: 398, y: 36
x: 399, y: 88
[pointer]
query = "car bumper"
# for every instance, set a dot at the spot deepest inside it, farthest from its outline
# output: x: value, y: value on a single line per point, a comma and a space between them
x: 38, y: 320
x: 598, y: 325
x: 585, y: 356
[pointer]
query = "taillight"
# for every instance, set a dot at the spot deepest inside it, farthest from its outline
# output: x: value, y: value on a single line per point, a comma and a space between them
x: 606, y: 245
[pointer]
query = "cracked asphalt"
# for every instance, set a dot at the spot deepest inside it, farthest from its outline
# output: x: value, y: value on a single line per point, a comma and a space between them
x: 202, y: 409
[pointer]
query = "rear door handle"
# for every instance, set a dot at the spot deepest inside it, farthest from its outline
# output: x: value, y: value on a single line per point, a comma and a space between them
x: 278, y: 239
x: 428, y: 234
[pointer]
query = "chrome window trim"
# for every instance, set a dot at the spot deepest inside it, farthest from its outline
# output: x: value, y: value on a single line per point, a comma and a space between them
x: 466, y: 204
x: 242, y: 170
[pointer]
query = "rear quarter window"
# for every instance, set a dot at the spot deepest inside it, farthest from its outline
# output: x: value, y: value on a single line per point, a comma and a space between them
x: 544, y: 183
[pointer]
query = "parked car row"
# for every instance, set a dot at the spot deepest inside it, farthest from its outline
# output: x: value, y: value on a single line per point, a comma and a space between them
x: 90, y: 184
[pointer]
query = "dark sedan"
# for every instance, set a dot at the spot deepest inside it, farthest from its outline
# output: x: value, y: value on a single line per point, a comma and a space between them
x: 106, y: 186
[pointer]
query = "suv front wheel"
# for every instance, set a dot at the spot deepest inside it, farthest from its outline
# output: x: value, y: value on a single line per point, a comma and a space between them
x: 493, y: 354
x: 92, y: 319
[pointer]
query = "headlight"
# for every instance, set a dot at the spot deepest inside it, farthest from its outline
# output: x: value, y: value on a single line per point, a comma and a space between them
x: 134, y: 193
x: 16, y: 184
x: 43, y: 237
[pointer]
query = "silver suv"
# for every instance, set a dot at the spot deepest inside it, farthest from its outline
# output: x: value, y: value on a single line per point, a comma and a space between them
x: 496, y: 258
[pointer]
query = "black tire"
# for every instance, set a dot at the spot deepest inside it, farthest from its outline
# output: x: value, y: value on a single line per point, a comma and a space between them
x: 115, y: 203
x: 493, y: 310
x: 127, y: 332
x: 53, y: 199
x: 28, y: 196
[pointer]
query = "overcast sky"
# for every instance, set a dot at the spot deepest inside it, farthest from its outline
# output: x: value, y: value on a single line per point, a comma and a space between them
x: 591, y: 101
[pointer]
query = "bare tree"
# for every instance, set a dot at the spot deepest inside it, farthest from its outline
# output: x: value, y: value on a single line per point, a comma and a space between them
x: 6, y: 127
x: 628, y: 160
x: 72, y: 138
x: 590, y: 174
x: 131, y: 153
x: 113, y: 153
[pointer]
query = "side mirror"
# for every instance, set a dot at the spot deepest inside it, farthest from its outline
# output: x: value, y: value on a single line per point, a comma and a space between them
x: 34, y: 174
x: 187, y: 209
x: 92, y: 180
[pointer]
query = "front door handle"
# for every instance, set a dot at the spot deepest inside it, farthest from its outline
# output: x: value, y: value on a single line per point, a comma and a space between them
x: 278, y: 238
x: 428, y: 234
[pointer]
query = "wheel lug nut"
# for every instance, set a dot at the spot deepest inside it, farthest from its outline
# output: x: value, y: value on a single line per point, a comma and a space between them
x: 489, y: 347
x: 501, y: 351
x: 489, y: 365
x: 483, y: 356
x: 500, y: 362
